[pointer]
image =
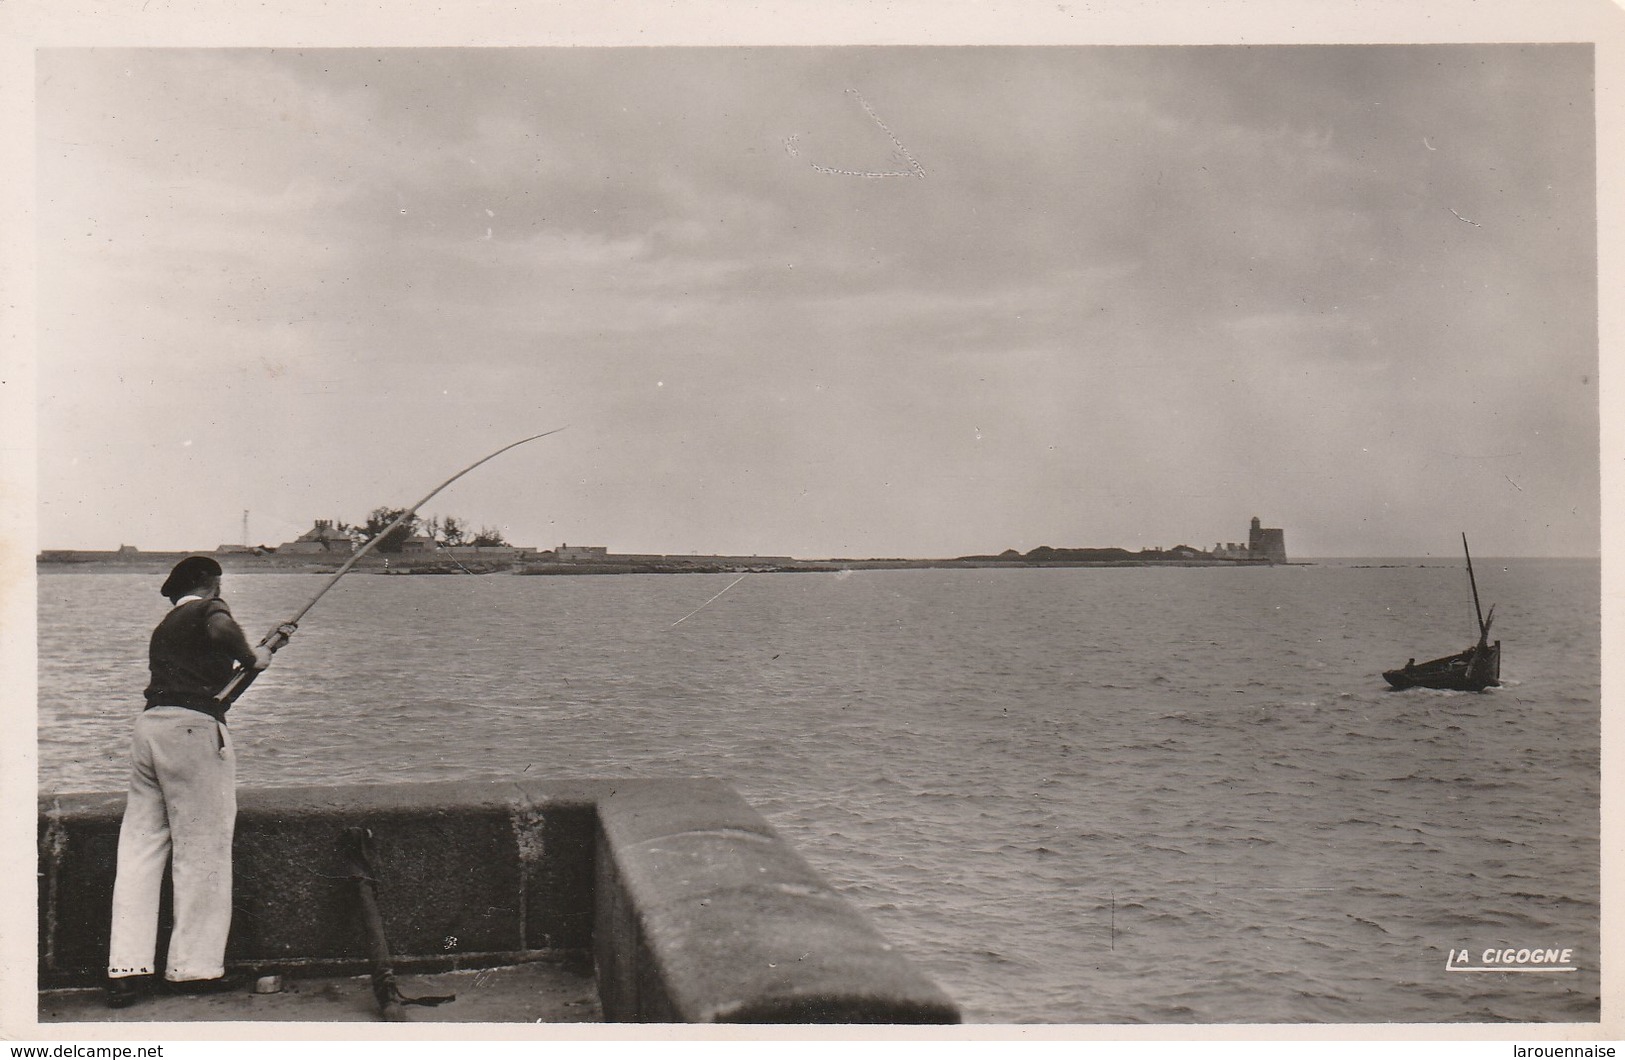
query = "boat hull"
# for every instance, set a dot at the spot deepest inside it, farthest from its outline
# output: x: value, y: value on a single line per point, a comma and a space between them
x: 1473, y: 670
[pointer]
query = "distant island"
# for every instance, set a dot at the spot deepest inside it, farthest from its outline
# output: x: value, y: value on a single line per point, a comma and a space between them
x: 322, y: 550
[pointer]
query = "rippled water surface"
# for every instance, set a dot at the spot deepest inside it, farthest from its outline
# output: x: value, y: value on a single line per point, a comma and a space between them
x: 1072, y: 796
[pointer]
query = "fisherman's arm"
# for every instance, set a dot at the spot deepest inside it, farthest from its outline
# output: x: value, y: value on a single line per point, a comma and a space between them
x: 224, y: 631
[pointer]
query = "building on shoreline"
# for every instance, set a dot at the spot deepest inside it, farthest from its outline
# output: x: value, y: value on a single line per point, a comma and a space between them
x: 1264, y: 545
x: 1267, y: 542
x: 321, y: 539
x: 577, y: 553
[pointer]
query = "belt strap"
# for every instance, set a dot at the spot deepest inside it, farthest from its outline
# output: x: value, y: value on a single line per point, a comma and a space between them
x: 217, y: 712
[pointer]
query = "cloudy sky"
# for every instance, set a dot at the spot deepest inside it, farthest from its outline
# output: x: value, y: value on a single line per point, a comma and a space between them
x: 823, y: 301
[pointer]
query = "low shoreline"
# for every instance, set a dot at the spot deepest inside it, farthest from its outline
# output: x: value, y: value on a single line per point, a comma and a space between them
x: 153, y: 563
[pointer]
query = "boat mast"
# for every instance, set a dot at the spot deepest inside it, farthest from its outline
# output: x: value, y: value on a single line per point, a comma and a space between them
x: 1483, y: 632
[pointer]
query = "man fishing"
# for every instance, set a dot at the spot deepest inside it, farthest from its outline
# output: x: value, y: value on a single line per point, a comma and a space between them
x: 181, y: 809
x: 182, y: 803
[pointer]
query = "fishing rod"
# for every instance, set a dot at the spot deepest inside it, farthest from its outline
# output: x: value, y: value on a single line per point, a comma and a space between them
x: 280, y: 636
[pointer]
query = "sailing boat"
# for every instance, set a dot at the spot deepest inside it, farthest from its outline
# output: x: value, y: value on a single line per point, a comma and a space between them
x: 1473, y: 670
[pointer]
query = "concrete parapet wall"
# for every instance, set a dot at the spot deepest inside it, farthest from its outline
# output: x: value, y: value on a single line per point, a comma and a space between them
x: 467, y: 874
x: 705, y: 915
x: 692, y: 908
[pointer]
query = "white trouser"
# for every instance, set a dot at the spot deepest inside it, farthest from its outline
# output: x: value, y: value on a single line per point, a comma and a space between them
x: 181, y: 808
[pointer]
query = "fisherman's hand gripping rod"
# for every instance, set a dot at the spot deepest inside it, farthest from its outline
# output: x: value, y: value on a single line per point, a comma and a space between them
x: 280, y: 636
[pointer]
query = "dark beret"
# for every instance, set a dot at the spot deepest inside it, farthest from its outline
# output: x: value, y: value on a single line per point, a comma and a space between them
x: 189, y: 573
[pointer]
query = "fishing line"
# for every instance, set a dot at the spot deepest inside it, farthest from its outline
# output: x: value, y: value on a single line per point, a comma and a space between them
x: 447, y: 550
x: 278, y: 637
x: 703, y: 606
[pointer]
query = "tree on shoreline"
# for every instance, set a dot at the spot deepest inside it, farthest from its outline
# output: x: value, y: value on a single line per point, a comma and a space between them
x: 446, y: 530
x: 381, y: 518
x: 449, y: 531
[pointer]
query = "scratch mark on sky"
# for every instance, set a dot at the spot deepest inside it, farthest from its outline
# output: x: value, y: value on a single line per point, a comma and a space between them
x: 915, y: 169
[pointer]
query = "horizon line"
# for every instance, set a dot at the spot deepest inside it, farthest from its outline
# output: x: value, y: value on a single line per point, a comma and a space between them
x: 240, y: 550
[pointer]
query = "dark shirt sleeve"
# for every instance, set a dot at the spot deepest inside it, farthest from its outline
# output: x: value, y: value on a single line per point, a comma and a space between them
x: 225, y: 632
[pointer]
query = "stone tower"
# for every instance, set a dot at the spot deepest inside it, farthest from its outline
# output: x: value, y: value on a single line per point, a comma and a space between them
x: 1267, y: 542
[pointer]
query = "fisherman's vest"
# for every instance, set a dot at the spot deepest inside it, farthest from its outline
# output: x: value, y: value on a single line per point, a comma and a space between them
x: 188, y: 666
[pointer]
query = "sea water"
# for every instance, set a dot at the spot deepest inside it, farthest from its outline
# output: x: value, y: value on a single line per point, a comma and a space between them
x: 1084, y: 795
